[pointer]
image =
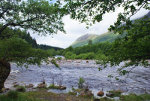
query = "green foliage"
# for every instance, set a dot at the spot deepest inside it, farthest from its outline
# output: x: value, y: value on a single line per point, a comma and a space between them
x: 19, y: 51
x: 134, y: 47
x: 92, y: 11
x: 15, y: 96
x: 81, y: 82
x: 38, y: 15
x: 134, y: 97
x: 59, y: 58
x: 52, y: 86
x: 46, y: 47
x: 90, y: 42
x: 12, y: 94
x: 21, y: 89
x: 116, y: 93
x: 53, y: 61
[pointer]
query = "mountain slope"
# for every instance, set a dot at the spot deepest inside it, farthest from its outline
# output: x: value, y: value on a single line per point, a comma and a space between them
x: 83, y: 40
x: 109, y: 36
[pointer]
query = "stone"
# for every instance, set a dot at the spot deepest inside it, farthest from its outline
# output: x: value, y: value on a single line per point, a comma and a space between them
x: 109, y: 94
x: 88, y: 94
x: 62, y: 87
x: 15, y: 84
x: 42, y: 85
x: 5, y: 90
x: 100, y: 93
x: 30, y: 86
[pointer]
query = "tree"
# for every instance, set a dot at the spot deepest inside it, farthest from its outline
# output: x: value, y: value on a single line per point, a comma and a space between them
x: 20, y: 52
x: 37, y: 15
x: 90, y: 42
x: 91, y: 11
x: 134, y: 46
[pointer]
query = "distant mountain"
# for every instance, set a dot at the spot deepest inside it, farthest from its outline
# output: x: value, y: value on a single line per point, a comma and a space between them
x: 83, y: 40
x: 109, y: 36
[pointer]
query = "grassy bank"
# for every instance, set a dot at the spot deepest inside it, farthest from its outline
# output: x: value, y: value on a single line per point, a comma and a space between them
x: 48, y: 96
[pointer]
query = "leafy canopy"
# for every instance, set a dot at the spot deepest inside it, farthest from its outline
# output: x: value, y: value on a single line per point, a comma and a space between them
x: 19, y: 51
x: 134, y: 46
x: 40, y: 16
x: 91, y: 11
x: 36, y: 15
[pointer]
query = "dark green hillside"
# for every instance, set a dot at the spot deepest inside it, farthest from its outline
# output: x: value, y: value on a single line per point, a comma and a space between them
x: 8, y: 32
x: 46, y: 47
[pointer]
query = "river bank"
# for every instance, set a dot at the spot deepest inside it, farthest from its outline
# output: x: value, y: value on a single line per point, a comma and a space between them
x: 71, y: 70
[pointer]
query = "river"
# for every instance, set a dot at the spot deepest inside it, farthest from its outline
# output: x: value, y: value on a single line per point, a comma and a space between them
x: 138, y: 81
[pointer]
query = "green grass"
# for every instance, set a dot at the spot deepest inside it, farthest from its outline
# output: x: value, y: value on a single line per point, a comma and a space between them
x: 54, y: 87
x: 116, y: 93
x: 16, y: 96
x: 48, y: 96
x: 134, y: 97
x: 21, y: 89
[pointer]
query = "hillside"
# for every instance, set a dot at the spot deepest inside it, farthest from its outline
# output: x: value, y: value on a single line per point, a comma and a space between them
x: 109, y: 36
x: 83, y: 40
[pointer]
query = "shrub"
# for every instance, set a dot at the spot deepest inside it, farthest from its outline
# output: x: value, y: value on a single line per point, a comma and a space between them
x: 21, y: 89
x: 12, y: 94
x: 53, y: 61
x: 59, y: 58
x: 81, y: 82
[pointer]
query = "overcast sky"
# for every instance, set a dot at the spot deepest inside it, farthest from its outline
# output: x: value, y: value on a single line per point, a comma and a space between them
x: 75, y: 29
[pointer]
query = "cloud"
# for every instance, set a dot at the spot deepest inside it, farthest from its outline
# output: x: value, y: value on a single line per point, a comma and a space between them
x: 76, y: 29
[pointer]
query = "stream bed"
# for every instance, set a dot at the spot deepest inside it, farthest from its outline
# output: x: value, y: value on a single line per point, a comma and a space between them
x: 138, y: 81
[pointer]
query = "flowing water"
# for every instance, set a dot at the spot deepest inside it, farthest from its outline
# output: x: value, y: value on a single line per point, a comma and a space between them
x: 138, y: 81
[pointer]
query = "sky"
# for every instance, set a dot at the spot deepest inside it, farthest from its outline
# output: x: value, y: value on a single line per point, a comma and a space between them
x: 75, y: 29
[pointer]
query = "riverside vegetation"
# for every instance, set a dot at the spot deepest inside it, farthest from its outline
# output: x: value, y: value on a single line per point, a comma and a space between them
x: 43, y: 17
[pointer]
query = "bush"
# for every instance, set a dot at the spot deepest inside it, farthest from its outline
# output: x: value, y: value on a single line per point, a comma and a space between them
x: 12, y: 94
x: 59, y: 58
x: 53, y: 61
x: 81, y: 82
x: 21, y: 89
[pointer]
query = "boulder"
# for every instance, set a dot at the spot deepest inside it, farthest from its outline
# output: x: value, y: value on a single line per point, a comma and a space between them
x: 15, y: 84
x: 100, y: 93
x: 30, y: 86
x: 42, y: 85
x: 109, y: 94
x: 88, y: 94
x: 62, y: 87
x: 5, y: 90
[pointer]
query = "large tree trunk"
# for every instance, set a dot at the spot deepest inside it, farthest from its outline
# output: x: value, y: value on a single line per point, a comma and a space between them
x: 4, y: 72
